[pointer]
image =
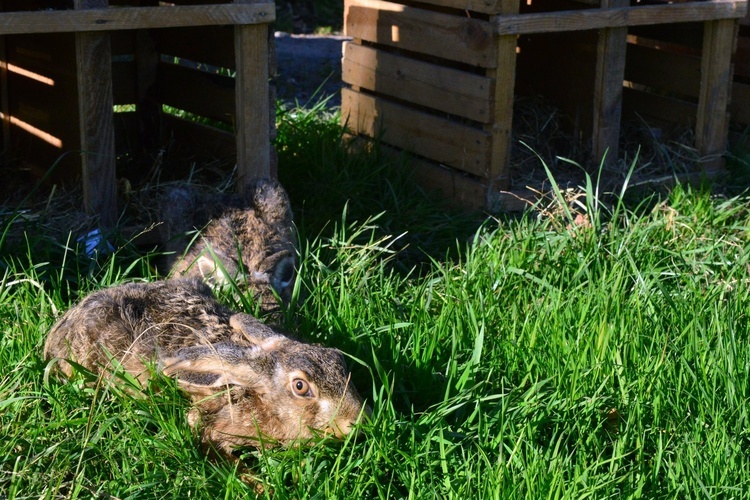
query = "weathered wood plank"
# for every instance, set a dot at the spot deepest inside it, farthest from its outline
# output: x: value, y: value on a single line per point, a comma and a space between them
x: 203, y: 94
x: 664, y: 110
x: 444, y: 89
x: 94, y: 64
x: 212, y: 45
x: 610, y: 69
x: 4, y: 104
x: 252, y: 117
x: 712, y: 122
x: 208, y: 140
x: 482, y: 6
x: 501, y: 127
x: 677, y: 73
x: 742, y: 57
x: 127, y: 18
x: 590, y: 19
x: 462, y: 39
x: 740, y: 105
x: 433, y: 137
x: 465, y: 191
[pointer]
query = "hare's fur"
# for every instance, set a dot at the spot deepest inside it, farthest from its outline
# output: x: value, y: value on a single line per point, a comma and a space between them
x: 247, y: 238
x: 240, y: 374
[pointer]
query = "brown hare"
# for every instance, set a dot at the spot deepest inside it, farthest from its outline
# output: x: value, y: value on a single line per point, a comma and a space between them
x: 248, y: 238
x: 250, y: 385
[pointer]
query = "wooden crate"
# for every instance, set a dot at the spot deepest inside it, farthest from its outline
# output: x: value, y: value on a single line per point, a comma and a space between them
x: 740, y: 104
x: 438, y: 78
x: 87, y: 80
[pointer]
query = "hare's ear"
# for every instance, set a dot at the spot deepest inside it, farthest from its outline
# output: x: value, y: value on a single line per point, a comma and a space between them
x: 270, y: 201
x: 209, y: 269
x: 201, y: 368
x: 214, y: 269
x: 255, y: 332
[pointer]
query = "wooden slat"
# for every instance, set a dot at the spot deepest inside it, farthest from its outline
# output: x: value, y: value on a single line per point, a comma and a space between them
x: 459, y: 146
x: 685, y: 38
x: 740, y: 105
x: 4, y: 101
x: 204, y: 94
x: 212, y: 45
x: 742, y: 57
x: 126, y: 18
x: 462, y: 39
x: 253, y: 119
x: 663, y: 109
x: 444, y: 89
x: 94, y: 68
x: 48, y: 54
x: 123, y: 83
x: 712, y: 122
x: 482, y: 6
x: 675, y: 73
x: 591, y: 19
x: 467, y: 192
x: 456, y: 188
x: 610, y: 68
x: 501, y: 128
x: 207, y: 140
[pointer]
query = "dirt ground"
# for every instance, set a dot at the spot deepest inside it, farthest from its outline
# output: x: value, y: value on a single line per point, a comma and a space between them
x: 308, y: 67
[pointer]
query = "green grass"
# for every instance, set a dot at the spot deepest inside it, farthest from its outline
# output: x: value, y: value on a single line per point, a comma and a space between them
x: 514, y: 358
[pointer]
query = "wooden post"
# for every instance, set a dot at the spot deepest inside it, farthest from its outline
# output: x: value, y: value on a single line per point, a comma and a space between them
x: 610, y: 73
x: 253, y: 116
x: 4, y: 102
x: 147, y: 109
x: 719, y: 38
x: 504, y: 75
x: 95, y: 104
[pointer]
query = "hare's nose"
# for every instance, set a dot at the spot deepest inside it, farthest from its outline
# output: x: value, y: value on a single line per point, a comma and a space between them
x: 340, y: 427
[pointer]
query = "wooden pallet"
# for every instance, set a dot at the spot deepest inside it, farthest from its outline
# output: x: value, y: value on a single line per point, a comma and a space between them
x: 60, y: 82
x: 438, y: 78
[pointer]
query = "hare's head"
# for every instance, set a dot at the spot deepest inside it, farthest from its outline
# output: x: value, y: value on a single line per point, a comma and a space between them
x: 249, y: 240
x: 264, y: 388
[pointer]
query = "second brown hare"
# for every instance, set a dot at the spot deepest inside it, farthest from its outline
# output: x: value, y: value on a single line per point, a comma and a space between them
x: 250, y: 385
x: 249, y: 239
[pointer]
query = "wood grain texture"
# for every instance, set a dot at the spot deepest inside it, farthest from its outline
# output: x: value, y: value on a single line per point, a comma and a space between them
x: 94, y: 64
x: 452, y: 91
x: 198, y: 92
x: 253, y: 118
x: 590, y: 19
x: 447, y: 36
x: 610, y: 71
x: 439, y: 139
x: 501, y: 127
x: 676, y: 73
x: 712, y: 122
x: 126, y: 18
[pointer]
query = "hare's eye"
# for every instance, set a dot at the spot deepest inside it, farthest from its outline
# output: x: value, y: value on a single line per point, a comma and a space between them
x: 301, y: 387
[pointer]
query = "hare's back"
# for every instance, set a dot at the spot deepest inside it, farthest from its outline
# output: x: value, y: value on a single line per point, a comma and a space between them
x: 137, y: 322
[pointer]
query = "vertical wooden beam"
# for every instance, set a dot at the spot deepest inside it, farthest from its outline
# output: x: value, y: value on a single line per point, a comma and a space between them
x: 504, y: 76
x: 94, y: 70
x: 610, y: 73
x: 712, y: 122
x: 4, y: 98
x: 148, y: 110
x: 253, y: 116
